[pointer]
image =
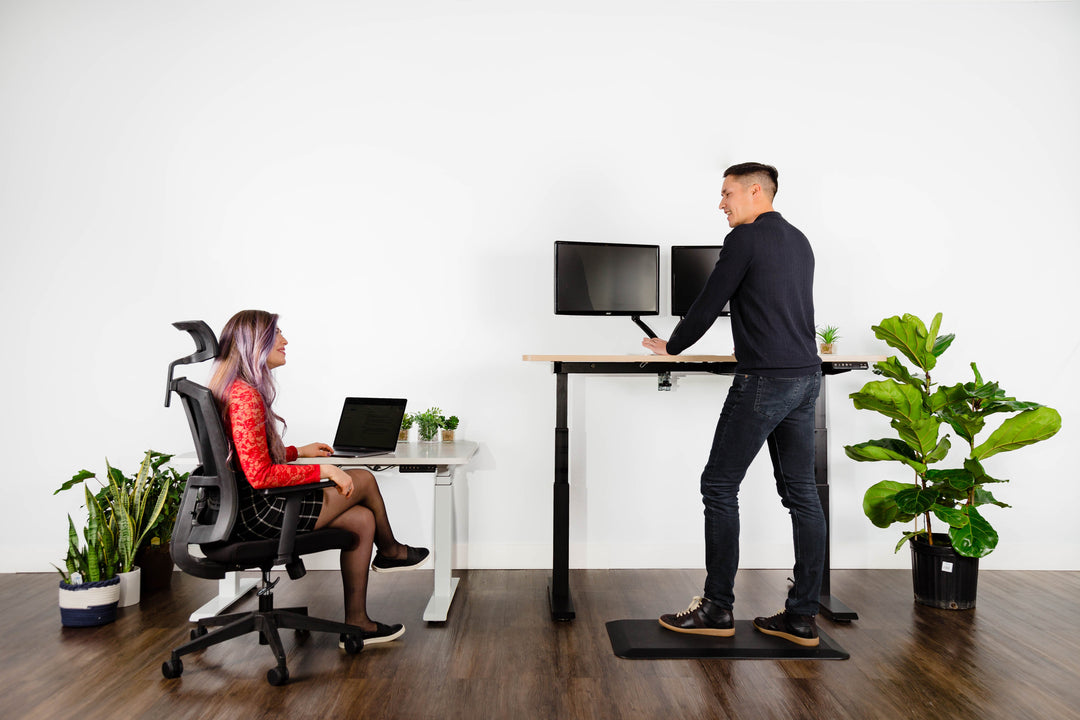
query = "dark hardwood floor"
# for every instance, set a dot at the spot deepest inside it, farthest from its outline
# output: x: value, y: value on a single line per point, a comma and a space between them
x: 1017, y: 655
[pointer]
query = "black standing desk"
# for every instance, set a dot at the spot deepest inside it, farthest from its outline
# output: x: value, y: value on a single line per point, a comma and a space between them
x: 562, y: 604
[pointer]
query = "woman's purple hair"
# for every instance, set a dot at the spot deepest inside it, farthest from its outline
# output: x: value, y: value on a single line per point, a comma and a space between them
x: 243, y: 349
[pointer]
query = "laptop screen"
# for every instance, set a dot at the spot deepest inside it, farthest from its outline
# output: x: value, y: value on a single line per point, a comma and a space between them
x: 369, y: 423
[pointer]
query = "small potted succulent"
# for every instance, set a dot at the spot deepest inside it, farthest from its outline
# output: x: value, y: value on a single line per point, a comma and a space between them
x: 828, y: 337
x: 407, y: 421
x: 448, y: 425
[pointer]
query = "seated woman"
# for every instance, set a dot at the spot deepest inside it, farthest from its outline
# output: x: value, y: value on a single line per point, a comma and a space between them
x: 251, y: 346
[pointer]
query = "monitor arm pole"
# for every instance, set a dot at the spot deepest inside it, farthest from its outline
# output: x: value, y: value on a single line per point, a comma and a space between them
x: 641, y: 324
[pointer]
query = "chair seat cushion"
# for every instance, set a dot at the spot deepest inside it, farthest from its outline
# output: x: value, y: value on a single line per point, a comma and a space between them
x: 262, y: 553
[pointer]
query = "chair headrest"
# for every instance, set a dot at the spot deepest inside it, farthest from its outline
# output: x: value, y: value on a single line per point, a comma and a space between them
x: 206, y: 348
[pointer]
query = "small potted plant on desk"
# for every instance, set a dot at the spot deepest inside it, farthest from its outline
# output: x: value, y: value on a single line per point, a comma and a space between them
x: 407, y: 421
x: 448, y: 425
x: 427, y: 424
x: 128, y: 507
x: 828, y: 338
x: 944, y: 564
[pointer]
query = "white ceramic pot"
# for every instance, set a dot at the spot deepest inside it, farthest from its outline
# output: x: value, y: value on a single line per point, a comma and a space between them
x: 129, y: 587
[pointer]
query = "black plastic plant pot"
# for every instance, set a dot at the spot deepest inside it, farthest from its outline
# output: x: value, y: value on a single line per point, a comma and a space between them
x: 941, y: 577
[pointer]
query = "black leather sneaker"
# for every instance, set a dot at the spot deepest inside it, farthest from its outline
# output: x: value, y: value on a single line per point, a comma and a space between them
x: 703, y: 617
x: 414, y: 558
x: 799, y: 629
x: 381, y: 634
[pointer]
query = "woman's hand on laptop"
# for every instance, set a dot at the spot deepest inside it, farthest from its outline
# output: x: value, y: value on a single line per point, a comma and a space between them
x: 314, y: 450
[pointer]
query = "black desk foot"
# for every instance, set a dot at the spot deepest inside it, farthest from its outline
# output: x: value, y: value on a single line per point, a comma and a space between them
x: 835, y: 610
x: 562, y: 606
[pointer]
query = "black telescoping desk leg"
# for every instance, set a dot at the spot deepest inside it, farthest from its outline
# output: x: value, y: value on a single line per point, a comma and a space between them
x: 562, y: 606
x: 829, y: 606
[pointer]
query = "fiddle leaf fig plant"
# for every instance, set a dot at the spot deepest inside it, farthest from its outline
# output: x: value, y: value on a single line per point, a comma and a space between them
x: 918, y: 410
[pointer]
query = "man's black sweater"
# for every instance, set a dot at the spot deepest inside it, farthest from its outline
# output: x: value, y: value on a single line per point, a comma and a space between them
x: 766, y: 270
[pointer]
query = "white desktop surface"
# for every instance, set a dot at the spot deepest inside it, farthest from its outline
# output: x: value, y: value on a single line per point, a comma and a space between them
x: 406, y: 453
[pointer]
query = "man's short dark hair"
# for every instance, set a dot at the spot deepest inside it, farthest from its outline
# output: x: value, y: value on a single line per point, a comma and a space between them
x: 764, y: 175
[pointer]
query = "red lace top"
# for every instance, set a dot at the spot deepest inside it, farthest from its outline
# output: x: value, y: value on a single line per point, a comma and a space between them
x: 248, y: 420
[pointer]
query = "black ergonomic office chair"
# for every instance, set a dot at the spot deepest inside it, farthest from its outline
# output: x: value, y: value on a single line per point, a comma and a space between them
x: 207, y: 514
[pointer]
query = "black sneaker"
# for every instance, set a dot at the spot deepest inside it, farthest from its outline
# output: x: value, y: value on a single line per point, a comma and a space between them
x: 414, y: 558
x: 381, y: 634
x: 799, y: 629
x: 703, y: 617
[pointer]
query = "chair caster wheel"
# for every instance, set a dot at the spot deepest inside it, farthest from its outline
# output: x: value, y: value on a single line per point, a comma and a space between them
x: 277, y: 676
x: 353, y: 645
x: 172, y: 669
x: 197, y: 632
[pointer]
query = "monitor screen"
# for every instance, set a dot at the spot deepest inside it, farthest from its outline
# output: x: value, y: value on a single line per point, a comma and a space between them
x: 606, y: 279
x: 691, y: 266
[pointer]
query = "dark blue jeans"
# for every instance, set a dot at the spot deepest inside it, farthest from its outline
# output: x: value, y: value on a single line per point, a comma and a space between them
x: 779, y: 411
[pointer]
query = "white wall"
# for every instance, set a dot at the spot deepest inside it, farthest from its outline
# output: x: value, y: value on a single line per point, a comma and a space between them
x: 390, y: 178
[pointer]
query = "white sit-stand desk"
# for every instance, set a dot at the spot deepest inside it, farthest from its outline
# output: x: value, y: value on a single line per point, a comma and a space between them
x: 438, y: 459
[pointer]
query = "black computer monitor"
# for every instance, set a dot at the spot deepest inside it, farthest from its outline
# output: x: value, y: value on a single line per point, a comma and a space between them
x: 691, y: 266
x: 606, y: 279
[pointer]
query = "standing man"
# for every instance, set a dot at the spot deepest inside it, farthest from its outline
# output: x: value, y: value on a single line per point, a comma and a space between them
x: 766, y: 270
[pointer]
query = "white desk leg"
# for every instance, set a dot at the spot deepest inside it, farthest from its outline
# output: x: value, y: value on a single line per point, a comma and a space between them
x: 445, y: 585
x: 230, y: 589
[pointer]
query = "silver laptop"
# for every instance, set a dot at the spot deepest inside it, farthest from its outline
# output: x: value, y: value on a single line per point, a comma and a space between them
x: 368, y: 426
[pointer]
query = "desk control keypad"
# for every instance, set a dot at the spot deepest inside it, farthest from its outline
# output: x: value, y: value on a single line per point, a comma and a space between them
x: 417, y: 468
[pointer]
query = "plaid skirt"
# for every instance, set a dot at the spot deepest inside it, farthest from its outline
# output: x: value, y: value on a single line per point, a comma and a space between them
x: 261, y: 517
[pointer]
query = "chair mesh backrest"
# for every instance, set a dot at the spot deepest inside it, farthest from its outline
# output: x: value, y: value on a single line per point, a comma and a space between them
x: 209, y: 506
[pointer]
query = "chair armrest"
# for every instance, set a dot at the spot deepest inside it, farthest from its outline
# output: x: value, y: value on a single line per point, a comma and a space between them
x: 287, y: 542
x: 291, y: 489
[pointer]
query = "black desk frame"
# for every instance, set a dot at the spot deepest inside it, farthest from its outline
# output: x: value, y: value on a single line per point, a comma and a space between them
x: 562, y: 604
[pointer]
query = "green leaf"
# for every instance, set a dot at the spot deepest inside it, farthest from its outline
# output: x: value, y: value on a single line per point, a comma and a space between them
x: 982, y: 496
x: 885, y: 449
x: 916, y: 500
x: 893, y: 368
x: 907, y: 334
x: 940, y: 452
x: 892, y: 399
x: 942, y: 344
x: 932, y: 333
x: 879, y: 503
x: 970, y: 533
x: 1027, y: 428
x: 79, y: 477
x: 921, y: 434
x: 907, y: 538
x: 956, y: 479
x: 946, y: 397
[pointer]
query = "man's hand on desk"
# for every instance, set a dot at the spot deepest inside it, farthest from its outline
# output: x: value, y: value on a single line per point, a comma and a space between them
x: 655, y: 345
x: 313, y: 450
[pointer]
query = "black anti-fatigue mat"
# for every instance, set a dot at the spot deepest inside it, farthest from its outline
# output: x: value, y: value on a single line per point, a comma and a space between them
x: 647, y: 640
